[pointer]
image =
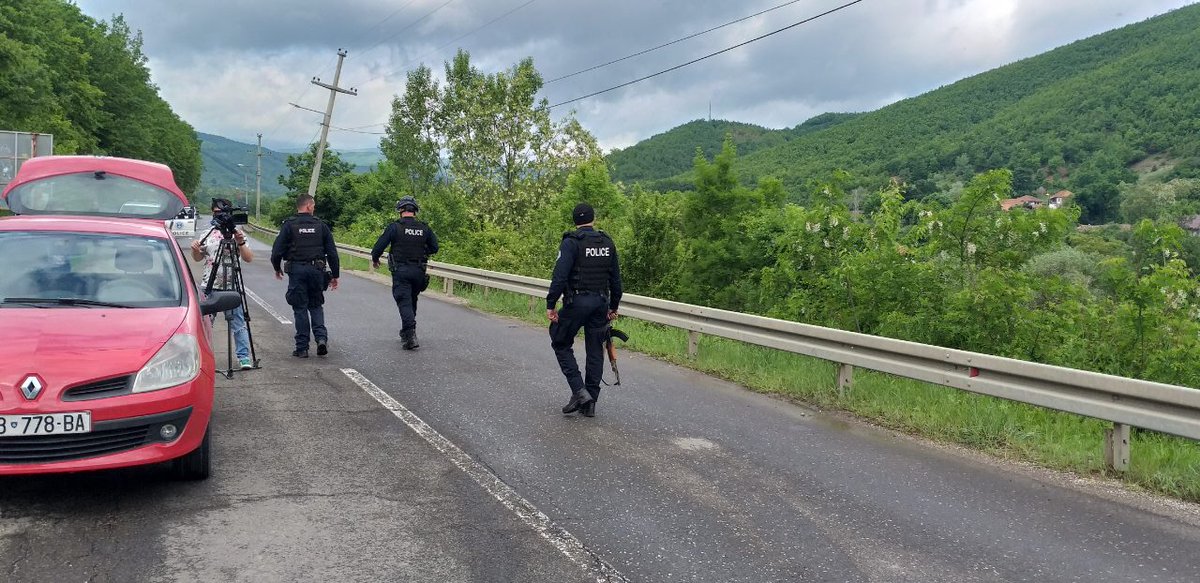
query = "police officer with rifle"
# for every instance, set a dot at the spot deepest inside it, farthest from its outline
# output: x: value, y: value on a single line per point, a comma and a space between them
x: 587, y: 276
x: 306, y: 243
x: 411, y: 243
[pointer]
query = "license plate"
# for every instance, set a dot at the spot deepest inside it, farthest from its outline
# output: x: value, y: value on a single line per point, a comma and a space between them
x: 48, y: 424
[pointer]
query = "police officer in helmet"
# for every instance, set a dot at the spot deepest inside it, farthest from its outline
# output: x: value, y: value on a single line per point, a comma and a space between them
x: 306, y: 243
x: 411, y: 242
x: 588, y: 278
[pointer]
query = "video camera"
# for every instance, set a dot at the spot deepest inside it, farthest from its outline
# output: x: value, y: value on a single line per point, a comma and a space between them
x: 227, y: 217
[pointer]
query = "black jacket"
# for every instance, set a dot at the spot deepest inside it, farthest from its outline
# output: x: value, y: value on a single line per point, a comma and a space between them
x: 283, y: 242
x: 568, y: 250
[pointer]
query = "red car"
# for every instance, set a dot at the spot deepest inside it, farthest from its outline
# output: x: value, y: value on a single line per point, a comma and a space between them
x: 107, y: 358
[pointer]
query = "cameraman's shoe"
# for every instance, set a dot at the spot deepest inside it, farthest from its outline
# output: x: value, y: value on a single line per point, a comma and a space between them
x: 245, y: 363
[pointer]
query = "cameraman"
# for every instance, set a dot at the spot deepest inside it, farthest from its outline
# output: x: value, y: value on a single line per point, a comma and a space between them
x: 208, y: 253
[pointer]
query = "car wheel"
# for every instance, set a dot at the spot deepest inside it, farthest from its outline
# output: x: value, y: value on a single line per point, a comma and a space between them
x: 197, y: 464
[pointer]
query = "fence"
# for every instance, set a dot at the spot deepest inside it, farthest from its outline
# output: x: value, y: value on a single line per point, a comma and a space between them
x: 1123, y: 401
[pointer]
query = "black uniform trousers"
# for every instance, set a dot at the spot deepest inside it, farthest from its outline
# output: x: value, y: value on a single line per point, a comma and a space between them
x: 306, y: 295
x: 590, y: 312
x: 408, y: 281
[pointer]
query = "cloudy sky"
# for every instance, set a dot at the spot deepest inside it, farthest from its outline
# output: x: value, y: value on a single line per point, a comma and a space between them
x: 231, y: 67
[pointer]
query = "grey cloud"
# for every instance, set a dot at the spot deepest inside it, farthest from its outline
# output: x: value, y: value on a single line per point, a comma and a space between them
x: 263, y: 54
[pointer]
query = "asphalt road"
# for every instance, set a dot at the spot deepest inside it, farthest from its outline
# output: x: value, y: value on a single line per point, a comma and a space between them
x: 452, y: 463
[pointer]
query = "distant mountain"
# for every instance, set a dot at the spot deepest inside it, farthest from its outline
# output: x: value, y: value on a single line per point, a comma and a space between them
x: 363, y: 158
x: 221, y: 157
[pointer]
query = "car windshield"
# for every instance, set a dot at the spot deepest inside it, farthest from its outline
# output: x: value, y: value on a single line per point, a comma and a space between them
x: 61, y: 269
x: 93, y: 193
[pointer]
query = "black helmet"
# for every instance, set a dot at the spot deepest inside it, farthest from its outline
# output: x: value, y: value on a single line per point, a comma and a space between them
x: 407, y: 203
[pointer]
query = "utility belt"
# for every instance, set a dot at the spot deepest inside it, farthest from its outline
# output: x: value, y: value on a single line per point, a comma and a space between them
x: 394, y: 262
x: 318, y: 263
x: 571, y: 294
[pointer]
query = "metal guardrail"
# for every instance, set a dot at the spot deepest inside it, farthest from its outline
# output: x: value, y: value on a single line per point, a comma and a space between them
x: 1125, y: 402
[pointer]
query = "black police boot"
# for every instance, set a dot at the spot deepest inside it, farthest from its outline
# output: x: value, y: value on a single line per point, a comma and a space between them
x: 409, y: 339
x: 412, y: 339
x: 300, y: 353
x: 322, y: 348
x: 588, y: 410
x: 578, y: 400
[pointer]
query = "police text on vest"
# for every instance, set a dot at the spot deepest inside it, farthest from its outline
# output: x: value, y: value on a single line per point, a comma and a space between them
x: 600, y: 252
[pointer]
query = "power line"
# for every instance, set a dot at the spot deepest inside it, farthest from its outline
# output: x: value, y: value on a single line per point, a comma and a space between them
x: 385, y: 19
x: 439, y: 49
x: 710, y: 55
x: 357, y: 131
x: 676, y: 41
x: 410, y: 25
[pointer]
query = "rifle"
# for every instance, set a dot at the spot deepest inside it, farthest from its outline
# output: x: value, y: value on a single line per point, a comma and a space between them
x: 611, y: 349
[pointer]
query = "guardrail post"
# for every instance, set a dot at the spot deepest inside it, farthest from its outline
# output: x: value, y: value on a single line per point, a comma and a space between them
x: 1116, y: 447
x: 845, y: 378
x: 448, y: 286
x: 693, y: 343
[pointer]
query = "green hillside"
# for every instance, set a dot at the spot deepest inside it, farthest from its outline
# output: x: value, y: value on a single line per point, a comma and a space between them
x: 87, y: 82
x: 221, y: 171
x: 673, y: 152
x: 1078, y: 117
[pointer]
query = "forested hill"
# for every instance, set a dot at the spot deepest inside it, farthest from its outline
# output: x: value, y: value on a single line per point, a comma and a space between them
x: 674, y: 151
x: 1078, y: 117
x: 221, y: 170
x: 86, y: 82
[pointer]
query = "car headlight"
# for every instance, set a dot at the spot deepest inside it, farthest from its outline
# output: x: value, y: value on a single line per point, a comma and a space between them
x: 177, y: 362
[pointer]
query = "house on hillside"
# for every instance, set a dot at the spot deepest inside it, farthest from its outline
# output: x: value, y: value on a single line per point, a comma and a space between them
x: 1027, y: 201
x: 1191, y: 225
x: 1059, y: 199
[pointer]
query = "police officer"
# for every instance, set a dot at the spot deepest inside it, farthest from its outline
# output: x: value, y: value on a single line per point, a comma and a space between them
x: 588, y: 278
x: 306, y: 243
x: 412, y: 242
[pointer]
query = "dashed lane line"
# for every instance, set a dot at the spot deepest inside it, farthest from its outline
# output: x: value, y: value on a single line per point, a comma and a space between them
x: 270, y: 310
x: 558, y: 536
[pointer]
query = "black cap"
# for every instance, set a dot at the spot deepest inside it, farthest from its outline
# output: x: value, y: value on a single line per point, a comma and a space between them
x: 583, y: 213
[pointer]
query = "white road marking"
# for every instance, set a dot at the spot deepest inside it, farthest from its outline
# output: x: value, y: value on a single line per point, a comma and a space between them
x: 558, y: 536
x: 267, y: 307
x: 694, y: 443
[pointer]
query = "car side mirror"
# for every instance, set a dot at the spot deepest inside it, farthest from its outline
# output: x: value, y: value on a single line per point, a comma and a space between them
x: 220, y: 301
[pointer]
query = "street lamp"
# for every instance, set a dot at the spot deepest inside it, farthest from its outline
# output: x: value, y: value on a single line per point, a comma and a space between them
x: 245, y: 187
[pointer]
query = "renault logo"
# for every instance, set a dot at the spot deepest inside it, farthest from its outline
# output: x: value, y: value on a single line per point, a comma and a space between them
x: 31, y: 387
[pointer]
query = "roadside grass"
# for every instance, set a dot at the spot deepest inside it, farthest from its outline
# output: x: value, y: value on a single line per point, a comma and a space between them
x: 1062, y: 441
x: 1159, y: 463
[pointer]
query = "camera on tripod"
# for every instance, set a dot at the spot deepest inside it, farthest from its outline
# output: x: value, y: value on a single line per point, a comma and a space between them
x: 227, y: 217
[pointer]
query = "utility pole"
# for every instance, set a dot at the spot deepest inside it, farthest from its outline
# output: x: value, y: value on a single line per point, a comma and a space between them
x: 333, y: 91
x: 258, y: 183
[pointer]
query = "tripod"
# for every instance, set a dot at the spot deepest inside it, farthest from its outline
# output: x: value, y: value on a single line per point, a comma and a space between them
x: 229, y: 262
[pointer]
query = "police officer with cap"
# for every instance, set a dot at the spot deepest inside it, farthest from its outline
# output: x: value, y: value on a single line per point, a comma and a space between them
x: 306, y: 243
x: 588, y: 278
x: 412, y: 242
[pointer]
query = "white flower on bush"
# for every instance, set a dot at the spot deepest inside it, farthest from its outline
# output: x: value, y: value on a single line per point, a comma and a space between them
x: 971, y: 249
x: 812, y: 227
x: 833, y: 222
x: 826, y: 243
x: 846, y: 232
x: 1042, y: 227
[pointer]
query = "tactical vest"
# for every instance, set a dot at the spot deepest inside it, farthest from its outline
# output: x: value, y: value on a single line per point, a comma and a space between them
x: 308, y: 241
x: 408, y: 242
x: 593, y: 263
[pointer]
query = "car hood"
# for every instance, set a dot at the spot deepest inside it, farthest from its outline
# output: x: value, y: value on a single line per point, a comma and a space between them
x: 66, y: 346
